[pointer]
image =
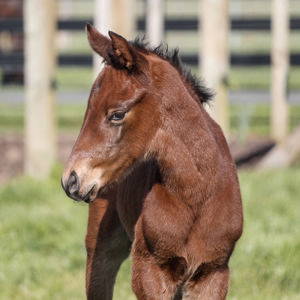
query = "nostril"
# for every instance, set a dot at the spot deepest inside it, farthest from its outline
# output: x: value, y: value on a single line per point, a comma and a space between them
x: 72, y: 186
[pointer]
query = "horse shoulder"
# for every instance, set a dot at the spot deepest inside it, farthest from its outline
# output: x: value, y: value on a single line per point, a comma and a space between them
x: 164, y: 224
x: 178, y: 168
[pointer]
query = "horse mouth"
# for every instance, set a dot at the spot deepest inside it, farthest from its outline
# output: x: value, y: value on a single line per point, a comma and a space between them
x: 87, y: 198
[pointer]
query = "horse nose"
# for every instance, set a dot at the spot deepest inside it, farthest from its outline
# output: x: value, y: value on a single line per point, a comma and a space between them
x: 72, y: 186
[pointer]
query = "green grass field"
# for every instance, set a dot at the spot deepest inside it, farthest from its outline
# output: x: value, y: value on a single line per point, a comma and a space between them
x: 244, y: 118
x: 257, y: 77
x: 42, y: 241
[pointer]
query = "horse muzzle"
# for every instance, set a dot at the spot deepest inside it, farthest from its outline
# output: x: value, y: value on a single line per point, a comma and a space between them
x: 72, y: 188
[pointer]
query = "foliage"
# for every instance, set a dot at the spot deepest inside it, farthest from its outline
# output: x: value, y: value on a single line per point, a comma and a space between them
x: 42, y: 240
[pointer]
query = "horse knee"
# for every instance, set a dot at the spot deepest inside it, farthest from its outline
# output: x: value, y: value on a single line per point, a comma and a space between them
x: 154, y: 278
x: 208, y: 283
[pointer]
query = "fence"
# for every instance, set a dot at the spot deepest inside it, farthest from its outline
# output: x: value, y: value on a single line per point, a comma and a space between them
x: 13, y: 61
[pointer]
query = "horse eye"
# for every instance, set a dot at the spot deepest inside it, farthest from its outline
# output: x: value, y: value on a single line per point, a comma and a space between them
x: 117, y: 116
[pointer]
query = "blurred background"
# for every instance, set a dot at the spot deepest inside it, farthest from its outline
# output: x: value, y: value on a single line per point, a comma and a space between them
x: 248, y: 51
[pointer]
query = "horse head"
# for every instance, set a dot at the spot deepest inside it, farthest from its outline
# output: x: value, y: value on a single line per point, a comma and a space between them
x: 120, y: 119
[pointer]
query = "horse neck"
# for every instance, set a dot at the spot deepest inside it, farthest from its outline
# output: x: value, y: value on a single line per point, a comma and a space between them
x: 184, y: 117
x: 184, y: 145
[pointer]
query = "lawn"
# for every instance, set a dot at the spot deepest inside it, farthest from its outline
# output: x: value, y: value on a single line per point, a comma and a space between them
x: 42, y: 240
x: 244, y: 118
x: 266, y: 261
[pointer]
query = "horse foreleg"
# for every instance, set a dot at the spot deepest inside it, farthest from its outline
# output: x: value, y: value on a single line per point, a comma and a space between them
x: 150, y: 279
x: 212, y: 286
x: 107, y: 247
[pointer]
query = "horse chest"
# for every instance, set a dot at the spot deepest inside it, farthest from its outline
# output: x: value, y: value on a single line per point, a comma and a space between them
x: 165, y: 223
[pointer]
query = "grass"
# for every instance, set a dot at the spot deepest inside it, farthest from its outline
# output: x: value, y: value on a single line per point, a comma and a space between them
x: 244, y: 118
x: 42, y: 250
x: 69, y: 117
x: 265, y: 263
x: 254, y: 119
x: 259, y: 78
x: 239, y: 78
x: 74, y: 78
x: 42, y: 241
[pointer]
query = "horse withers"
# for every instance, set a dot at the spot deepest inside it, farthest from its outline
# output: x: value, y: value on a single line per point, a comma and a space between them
x: 158, y: 176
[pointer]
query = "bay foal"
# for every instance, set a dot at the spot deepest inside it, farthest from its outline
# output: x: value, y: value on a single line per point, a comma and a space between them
x: 158, y: 176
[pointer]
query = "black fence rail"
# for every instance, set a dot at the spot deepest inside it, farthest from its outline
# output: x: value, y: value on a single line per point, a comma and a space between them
x: 239, y: 24
x: 15, y: 61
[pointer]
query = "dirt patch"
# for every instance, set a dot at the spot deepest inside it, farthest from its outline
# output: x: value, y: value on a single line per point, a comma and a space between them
x: 12, y: 153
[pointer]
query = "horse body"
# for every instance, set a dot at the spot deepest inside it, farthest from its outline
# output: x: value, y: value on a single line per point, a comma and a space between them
x: 159, y: 177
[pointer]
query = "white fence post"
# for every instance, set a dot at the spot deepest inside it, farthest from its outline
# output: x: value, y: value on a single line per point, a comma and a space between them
x: 214, y: 54
x: 40, y: 61
x: 155, y: 21
x: 114, y: 15
x: 102, y: 21
x: 280, y: 66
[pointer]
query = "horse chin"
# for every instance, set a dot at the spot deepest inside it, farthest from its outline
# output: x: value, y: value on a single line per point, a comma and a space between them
x: 91, y: 195
x: 87, y: 197
x: 103, y: 191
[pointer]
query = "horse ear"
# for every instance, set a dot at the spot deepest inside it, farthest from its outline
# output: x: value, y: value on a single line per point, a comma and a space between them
x: 124, y: 53
x: 99, y: 43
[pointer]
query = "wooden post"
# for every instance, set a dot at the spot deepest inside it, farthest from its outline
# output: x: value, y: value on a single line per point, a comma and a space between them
x: 123, y: 18
x: 284, y: 154
x: 102, y: 21
x: 155, y: 21
x: 214, y: 55
x: 40, y: 61
x: 280, y: 66
x: 114, y: 15
x: 65, y: 11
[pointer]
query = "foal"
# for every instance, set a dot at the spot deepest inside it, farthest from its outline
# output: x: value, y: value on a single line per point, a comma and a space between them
x: 158, y: 176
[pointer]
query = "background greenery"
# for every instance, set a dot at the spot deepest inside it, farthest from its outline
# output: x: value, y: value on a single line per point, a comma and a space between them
x: 245, y: 119
x: 42, y: 240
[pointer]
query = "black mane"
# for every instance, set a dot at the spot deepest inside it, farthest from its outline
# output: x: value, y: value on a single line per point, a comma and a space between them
x: 203, y: 93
